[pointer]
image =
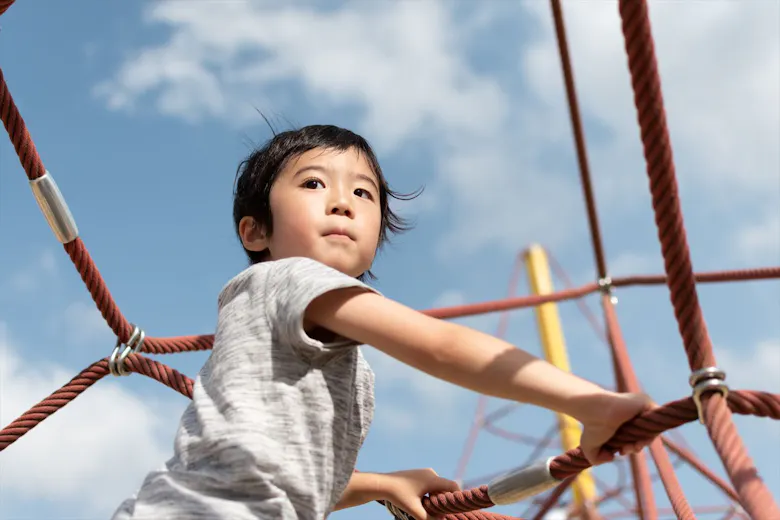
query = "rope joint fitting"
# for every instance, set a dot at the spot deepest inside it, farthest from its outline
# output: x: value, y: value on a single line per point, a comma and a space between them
x: 116, y: 363
x: 607, y: 288
x: 708, y: 379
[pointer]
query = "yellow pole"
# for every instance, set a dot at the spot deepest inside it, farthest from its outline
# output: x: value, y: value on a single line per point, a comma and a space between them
x: 554, y: 346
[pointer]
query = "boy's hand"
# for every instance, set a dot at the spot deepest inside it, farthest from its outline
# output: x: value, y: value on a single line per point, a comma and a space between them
x: 600, y: 426
x: 405, y: 489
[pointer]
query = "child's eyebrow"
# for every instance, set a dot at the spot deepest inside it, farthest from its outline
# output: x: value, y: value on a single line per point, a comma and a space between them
x: 308, y: 168
x: 367, y: 178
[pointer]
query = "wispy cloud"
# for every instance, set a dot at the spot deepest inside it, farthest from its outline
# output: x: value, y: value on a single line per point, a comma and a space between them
x: 755, y: 368
x: 720, y: 68
x: 629, y: 263
x: 35, y: 275
x: 758, y: 242
x: 82, y: 323
x: 395, y: 61
x: 404, y: 68
x: 79, y: 456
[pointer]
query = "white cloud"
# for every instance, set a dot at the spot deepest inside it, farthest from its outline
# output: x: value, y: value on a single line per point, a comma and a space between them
x: 400, y: 420
x: 82, y: 323
x: 720, y: 68
x: 402, y: 66
x: 427, y: 391
x: 759, y: 242
x: 400, y: 63
x: 504, y: 196
x: 450, y: 298
x: 719, y: 63
x: 35, y: 274
x: 754, y: 369
x: 80, y: 454
x: 395, y: 60
x: 411, y: 401
x: 557, y: 514
x: 630, y: 263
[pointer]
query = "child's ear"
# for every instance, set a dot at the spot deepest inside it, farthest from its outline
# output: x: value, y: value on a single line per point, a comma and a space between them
x: 253, y: 237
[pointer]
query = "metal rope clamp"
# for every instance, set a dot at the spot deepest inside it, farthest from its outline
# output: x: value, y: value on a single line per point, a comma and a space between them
x: 116, y: 363
x: 707, y: 379
x: 606, y: 287
x: 54, y: 208
x: 522, y: 483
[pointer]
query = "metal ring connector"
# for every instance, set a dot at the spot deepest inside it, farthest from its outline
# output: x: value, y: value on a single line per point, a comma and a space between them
x: 606, y: 287
x: 707, y: 379
x: 54, y: 208
x: 116, y: 363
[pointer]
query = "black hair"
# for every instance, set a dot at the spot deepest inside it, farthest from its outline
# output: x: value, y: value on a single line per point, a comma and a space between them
x: 257, y: 173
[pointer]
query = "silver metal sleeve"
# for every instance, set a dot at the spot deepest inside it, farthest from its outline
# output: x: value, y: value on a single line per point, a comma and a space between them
x: 522, y: 483
x: 54, y: 208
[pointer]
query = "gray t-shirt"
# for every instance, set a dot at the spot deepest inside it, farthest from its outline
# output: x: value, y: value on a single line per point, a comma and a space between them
x: 277, y: 417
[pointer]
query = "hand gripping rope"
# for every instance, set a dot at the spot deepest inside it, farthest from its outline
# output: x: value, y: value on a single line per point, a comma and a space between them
x: 711, y: 402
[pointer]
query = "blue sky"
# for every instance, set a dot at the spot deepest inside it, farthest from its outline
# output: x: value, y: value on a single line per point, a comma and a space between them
x: 142, y: 111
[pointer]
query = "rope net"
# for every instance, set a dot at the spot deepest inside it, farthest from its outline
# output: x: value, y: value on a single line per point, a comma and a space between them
x: 713, y: 403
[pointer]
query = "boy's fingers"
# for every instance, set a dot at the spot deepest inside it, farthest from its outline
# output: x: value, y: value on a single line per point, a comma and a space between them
x: 418, y: 513
x: 414, y: 511
x: 441, y: 484
x: 449, y: 485
x: 598, y: 456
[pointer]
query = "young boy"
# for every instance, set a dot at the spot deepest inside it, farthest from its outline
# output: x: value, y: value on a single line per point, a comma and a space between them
x: 284, y: 403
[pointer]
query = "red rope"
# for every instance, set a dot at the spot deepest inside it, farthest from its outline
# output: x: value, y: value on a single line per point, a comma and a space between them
x: 4, y: 5
x: 651, y: 116
x: 646, y: 426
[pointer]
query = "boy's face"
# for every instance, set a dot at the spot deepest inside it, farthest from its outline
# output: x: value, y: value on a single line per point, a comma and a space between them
x: 325, y: 206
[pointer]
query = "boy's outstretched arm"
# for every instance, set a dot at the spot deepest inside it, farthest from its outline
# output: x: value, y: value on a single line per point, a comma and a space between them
x: 477, y: 361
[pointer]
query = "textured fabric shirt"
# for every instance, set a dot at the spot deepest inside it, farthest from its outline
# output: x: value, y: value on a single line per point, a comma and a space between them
x: 277, y: 417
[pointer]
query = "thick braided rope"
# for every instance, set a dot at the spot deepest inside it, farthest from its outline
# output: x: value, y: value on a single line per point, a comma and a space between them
x: 663, y: 184
x: 84, y: 380
x: 116, y: 321
x: 646, y: 83
x: 627, y: 381
x: 20, y: 136
x: 399, y: 514
x: 646, y: 426
x: 98, y: 289
x: 4, y: 5
x: 626, y: 378
x: 462, y: 503
x: 667, y: 417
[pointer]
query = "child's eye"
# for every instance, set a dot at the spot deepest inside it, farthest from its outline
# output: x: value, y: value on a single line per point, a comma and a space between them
x: 311, y: 184
x: 360, y: 192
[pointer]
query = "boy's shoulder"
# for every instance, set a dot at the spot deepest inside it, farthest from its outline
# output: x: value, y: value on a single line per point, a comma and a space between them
x: 266, y: 277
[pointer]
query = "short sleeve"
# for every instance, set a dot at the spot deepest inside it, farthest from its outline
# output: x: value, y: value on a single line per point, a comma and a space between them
x: 292, y: 284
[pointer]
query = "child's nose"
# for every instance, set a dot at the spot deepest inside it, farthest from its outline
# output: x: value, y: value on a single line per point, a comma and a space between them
x: 340, y: 199
x: 341, y: 205
x: 340, y: 209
